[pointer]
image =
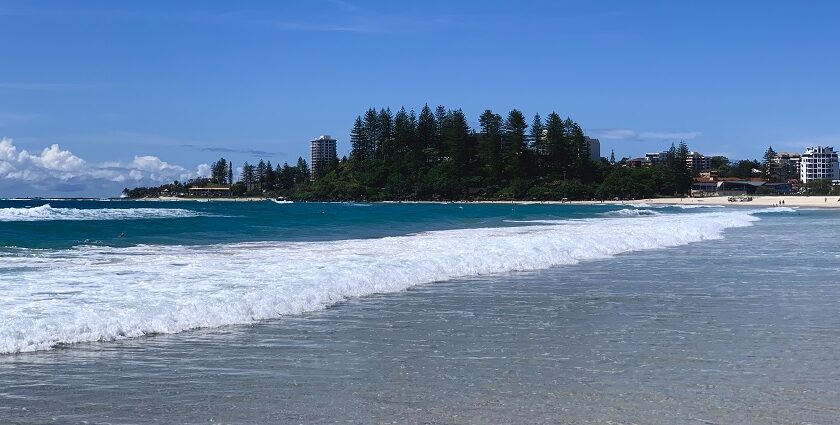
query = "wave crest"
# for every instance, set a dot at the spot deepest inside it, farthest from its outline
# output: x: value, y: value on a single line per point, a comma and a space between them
x: 47, y: 213
x: 631, y: 213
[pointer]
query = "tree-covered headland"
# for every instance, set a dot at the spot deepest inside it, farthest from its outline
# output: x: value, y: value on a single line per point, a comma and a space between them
x: 436, y: 155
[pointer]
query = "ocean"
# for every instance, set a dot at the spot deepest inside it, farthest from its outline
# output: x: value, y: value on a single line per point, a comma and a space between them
x: 258, y: 312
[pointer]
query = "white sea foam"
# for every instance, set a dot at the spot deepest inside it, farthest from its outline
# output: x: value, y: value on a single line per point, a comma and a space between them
x: 53, y: 297
x: 774, y: 210
x: 48, y: 213
x: 691, y: 207
x: 537, y: 221
x: 630, y: 213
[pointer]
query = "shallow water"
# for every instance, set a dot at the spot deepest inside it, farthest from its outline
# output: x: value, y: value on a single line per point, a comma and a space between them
x: 742, y: 329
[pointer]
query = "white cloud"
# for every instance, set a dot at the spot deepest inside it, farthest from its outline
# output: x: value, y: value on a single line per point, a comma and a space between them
x: 55, y: 159
x: 615, y: 134
x: 629, y: 134
x: 203, y: 170
x: 674, y: 135
x: 55, y: 170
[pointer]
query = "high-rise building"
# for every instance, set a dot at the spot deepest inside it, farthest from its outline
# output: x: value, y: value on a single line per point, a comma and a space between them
x: 785, y: 166
x: 323, y: 151
x: 819, y: 163
x: 594, y: 148
x: 697, y: 163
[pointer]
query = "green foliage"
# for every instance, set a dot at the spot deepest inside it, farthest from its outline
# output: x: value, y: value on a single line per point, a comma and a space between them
x: 220, y: 172
x: 437, y: 156
x: 819, y: 187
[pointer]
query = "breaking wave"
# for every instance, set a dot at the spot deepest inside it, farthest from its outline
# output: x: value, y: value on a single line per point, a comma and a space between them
x: 631, y: 213
x: 56, y: 297
x: 48, y: 213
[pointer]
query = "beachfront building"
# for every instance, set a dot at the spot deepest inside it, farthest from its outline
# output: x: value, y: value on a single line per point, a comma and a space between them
x: 697, y: 163
x: 656, y: 158
x: 594, y: 148
x: 649, y: 160
x: 785, y: 166
x: 819, y: 163
x: 323, y: 151
x: 638, y: 162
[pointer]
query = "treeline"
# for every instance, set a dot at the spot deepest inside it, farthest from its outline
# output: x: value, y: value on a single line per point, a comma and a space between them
x: 437, y: 155
x: 261, y: 179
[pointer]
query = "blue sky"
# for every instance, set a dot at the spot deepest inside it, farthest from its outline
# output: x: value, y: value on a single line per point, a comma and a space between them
x: 138, y: 92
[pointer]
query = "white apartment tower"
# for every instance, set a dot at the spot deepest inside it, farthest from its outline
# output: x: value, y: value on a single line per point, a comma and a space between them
x: 323, y: 151
x: 819, y: 163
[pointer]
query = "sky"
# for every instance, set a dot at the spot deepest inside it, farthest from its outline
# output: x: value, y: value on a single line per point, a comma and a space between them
x: 100, y: 95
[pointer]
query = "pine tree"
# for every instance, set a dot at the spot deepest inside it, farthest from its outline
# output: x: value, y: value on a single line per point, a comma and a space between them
x: 357, y: 140
x: 514, y: 137
x: 612, y: 157
x: 441, y: 115
x: 580, y: 149
x: 457, y: 140
x: 303, y: 171
x: 385, y: 148
x: 536, y: 139
x: 769, y: 155
x: 683, y: 173
x: 218, y: 171
x: 427, y: 132
x: 371, y: 132
x: 404, y: 133
x: 490, y: 145
x: 270, y: 182
x: 555, y: 140
x: 230, y: 172
x: 261, y: 174
x: 287, y: 176
x: 247, y: 176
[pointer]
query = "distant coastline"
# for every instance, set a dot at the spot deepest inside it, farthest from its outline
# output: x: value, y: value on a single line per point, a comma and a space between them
x: 799, y: 201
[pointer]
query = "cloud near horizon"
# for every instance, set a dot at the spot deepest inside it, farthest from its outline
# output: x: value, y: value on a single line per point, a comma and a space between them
x: 629, y: 134
x: 58, y: 171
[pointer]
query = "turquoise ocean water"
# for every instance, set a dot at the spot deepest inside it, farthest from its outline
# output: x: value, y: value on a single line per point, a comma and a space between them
x: 160, y: 312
